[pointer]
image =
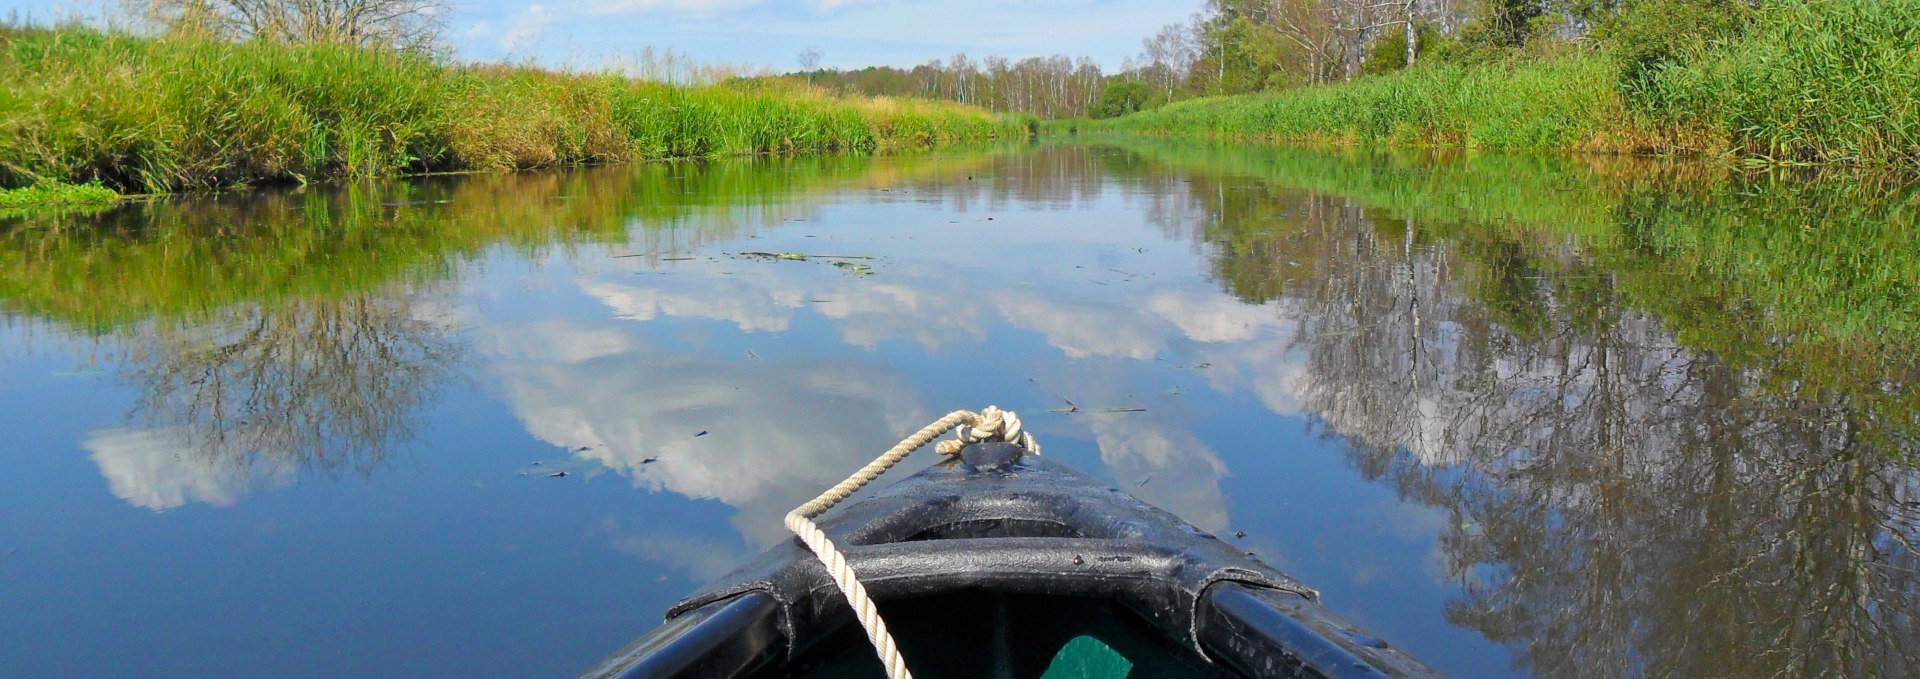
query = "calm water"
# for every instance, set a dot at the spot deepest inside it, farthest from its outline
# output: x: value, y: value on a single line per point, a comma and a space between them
x: 1519, y: 416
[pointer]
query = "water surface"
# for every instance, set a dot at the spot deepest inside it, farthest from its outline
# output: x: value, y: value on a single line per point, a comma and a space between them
x: 1520, y: 416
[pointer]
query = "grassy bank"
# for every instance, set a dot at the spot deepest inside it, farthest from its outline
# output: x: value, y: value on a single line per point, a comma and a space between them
x: 154, y: 115
x: 1567, y: 102
x: 1791, y: 81
x: 1807, y: 81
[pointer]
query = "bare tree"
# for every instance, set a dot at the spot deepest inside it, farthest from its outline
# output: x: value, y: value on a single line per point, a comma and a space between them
x: 397, y: 24
x: 1313, y: 27
x: 810, y: 61
x: 1169, y: 56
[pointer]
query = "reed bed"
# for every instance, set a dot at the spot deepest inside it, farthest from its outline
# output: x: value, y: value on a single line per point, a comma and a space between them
x: 1795, y: 81
x: 155, y: 115
x: 1537, y: 104
x: 1810, y: 81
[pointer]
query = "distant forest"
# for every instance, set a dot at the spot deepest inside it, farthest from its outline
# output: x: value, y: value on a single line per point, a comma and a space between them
x: 1232, y: 47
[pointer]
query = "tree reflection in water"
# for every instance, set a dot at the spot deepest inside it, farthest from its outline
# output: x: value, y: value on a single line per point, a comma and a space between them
x: 1625, y: 503
x: 320, y: 384
x: 273, y: 332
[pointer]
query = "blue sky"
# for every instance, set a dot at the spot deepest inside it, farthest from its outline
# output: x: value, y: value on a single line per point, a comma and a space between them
x: 849, y: 33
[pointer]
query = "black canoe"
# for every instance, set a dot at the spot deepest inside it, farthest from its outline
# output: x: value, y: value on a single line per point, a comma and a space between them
x: 997, y: 566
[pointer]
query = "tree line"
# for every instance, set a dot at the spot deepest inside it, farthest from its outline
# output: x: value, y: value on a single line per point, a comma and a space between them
x: 1242, y: 46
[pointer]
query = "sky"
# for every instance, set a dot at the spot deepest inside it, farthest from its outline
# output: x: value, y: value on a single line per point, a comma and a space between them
x: 771, y: 33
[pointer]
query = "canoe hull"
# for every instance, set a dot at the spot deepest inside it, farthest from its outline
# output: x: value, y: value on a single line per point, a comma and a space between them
x: 994, y: 526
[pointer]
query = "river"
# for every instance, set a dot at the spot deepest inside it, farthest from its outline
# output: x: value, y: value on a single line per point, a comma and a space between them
x: 1520, y: 416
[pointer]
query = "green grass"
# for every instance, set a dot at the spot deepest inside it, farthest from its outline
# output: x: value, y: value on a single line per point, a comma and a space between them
x: 1566, y: 102
x: 156, y: 115
x: 1801, y: 81
x: 57, y: 193
x: 1809, y: 81
x: 56, y: 198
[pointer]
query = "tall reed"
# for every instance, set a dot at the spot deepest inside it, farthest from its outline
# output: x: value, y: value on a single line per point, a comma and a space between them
x: 1534, y: 104
x: 1809, y: 81
x: 140, y: 114
x: 1803, y: 81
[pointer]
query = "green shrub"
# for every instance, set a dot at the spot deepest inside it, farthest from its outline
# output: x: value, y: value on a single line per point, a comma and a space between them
x: 1389, y: 53
x: 1648, y: 35
x: 1121, y: 98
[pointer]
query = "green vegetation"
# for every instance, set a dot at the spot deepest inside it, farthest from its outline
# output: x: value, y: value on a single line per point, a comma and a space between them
x: 1774, y: 81
x: 1806, y: 80
x: 1534, y: 104
x: 1120, y: 99
x: 155, y: 115
x: 55, y: 196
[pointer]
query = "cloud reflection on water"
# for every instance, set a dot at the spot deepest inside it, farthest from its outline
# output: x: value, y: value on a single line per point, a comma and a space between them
x: 782, y: 428
x: 157, y: 469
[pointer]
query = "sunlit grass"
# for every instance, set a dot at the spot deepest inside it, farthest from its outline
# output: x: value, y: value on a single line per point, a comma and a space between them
x: 57, y: 193
x: 1565, y: 102
x: 1812, y: 80
x: 152, y: 115
x: 1806, y: 81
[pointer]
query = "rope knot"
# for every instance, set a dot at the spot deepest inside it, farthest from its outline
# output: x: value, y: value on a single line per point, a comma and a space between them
x: 993, y: 424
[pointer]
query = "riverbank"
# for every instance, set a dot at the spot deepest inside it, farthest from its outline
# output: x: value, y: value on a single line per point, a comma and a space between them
x: 160, y: 115
x: 1796, y: 81
x: 1546, y: 104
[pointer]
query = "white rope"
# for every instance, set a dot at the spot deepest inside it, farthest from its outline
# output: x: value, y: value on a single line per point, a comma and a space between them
x: 992, y: 424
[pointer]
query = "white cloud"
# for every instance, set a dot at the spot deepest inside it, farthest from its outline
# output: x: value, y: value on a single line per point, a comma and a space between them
x: 689, y: 8
x: 556, y: 341
x: 155, y: 469
x: 1268, y: 367
x: 696, y: 557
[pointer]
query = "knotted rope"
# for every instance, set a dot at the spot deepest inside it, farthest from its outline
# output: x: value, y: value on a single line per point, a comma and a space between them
x: 992, y: 424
